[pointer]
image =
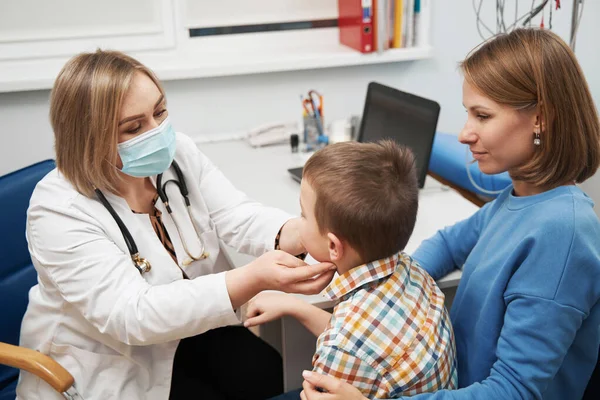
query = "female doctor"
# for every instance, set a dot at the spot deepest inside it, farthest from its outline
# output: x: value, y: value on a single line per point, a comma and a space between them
x: 134, y: 297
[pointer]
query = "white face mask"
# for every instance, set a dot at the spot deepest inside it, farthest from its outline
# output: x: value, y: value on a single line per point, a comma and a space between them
x: 150, y: 153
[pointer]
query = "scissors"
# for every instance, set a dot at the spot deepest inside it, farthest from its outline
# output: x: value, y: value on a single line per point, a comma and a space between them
x: 316, y: 102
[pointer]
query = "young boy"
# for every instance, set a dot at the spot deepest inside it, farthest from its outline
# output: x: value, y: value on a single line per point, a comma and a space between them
x: 389, y: 334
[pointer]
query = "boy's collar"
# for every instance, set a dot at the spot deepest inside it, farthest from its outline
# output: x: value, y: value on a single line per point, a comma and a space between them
x: 364, y: 274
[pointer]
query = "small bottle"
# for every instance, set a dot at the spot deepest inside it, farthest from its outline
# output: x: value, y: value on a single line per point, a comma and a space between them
x: 294, y: 142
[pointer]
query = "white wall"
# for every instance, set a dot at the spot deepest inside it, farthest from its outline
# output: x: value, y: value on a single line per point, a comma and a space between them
x: 232, y: 104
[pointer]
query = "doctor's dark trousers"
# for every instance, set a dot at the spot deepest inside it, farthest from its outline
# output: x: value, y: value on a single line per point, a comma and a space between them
x: 226, y: 363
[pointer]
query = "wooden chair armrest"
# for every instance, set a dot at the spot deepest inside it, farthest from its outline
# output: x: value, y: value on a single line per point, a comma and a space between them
x: 472, y: 197
x: 38, y: 364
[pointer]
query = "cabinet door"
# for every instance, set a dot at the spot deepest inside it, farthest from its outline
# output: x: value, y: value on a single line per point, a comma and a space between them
x: 205, y: 14
x: 41, y: 28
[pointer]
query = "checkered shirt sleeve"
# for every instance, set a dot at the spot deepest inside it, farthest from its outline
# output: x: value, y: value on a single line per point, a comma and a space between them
x: 342, y: 365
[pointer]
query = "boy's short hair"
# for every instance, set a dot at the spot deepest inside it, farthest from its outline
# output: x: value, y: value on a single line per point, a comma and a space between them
x: 367, y: 194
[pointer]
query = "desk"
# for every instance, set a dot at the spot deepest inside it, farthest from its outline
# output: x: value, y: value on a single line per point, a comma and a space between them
x: 262, y: 174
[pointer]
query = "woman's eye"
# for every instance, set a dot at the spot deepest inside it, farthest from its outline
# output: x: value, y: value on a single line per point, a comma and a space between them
x: 135, y: 129
x: 483, y: 116
x: 160, y: 113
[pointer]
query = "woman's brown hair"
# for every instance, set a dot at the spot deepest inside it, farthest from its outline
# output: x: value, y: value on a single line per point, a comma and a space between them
x: 84, y: 111
x: 530, y: 69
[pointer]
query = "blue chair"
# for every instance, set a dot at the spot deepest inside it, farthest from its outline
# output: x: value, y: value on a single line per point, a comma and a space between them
x: 447, y: 164
x: 17, y: 276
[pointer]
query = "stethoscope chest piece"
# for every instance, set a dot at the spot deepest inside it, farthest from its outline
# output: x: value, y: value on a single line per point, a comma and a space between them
x: 140, y: 263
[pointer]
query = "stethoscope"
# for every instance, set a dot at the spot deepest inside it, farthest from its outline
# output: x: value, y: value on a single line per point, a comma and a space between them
x: 141, y: 263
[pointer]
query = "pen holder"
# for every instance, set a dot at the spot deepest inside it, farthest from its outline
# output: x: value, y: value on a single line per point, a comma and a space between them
x: 311, y: 132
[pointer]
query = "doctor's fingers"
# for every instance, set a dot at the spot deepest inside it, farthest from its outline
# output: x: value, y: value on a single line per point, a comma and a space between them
x: 293, y: 275
x: 312, y: 285
x: 287, y: 260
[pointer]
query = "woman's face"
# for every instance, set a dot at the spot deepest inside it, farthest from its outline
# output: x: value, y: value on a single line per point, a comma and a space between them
x: 144, y: 108
x: 500, y: 137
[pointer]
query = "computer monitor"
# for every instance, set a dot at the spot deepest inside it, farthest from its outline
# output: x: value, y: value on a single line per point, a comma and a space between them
x: 408, y: 119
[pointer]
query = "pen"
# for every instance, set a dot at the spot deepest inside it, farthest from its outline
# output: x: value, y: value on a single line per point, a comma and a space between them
x: 317, y: 115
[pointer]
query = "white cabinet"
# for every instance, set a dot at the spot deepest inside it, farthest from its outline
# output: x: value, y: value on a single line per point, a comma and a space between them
x: 201, y: 14
x: 38, y: 29
x: 38, y: 36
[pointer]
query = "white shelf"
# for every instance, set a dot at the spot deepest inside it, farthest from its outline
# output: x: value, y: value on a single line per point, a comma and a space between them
x: 287, y: 62
x: 223, y: 56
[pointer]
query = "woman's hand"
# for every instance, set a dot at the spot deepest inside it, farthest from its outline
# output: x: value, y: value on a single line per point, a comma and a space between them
x: 276, y: 270
x: 269, y: 306
x: 334, y: 388
x: 289, y: 241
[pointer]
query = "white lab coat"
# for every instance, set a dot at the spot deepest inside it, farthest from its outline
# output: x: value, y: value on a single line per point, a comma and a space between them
x: 113, y: 329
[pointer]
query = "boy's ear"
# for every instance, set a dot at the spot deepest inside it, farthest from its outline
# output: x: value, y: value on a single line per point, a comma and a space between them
x: 336, y: 247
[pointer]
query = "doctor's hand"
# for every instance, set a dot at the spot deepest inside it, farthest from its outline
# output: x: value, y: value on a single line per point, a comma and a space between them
x: 276, y: 270
x: 334, y: 388
x: 289, y: 241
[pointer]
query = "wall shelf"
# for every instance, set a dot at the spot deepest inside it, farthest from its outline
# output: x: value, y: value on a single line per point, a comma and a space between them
x: 186, y: 68
x: 173, y: 55
x: 207, y: 60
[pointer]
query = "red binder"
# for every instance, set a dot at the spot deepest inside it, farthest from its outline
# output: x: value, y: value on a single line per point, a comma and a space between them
x: 356, y: 24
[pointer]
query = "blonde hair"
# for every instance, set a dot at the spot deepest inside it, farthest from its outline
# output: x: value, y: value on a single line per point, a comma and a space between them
x: 367, y: 194
x: 532, y: 68
x: 84, y: 110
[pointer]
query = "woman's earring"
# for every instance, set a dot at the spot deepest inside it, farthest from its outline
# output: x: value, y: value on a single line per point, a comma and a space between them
x: 537, y: 140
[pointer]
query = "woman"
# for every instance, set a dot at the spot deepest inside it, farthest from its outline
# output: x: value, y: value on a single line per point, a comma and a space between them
x: 527, y: 310
x: 127, y: 291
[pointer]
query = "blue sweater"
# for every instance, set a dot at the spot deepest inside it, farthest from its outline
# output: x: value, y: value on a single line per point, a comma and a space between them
x: 526, y: 314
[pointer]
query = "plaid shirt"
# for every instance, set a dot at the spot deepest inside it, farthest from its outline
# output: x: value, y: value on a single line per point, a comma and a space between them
x: 390, y: 333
